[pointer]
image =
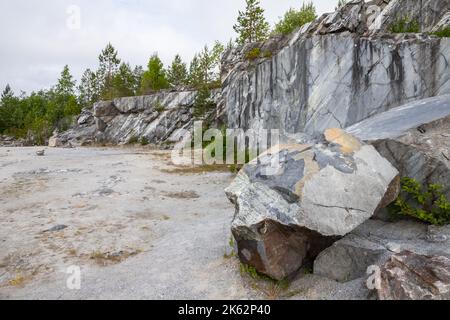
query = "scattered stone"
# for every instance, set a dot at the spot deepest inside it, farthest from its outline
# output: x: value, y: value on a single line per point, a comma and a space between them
x: 182, y: 195
x: 57, y: 228
x: 409, y: 276
x: 287, y: 214
x: 40, y: 153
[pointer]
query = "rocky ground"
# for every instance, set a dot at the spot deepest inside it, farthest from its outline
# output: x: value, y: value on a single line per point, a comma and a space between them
x: 138, y: 227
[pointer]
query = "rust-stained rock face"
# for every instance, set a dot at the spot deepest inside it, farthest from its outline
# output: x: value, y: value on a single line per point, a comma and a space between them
x: 287, y: 213
x: 408, y: 276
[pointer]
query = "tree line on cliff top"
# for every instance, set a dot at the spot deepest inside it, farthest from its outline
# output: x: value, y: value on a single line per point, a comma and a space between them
x: 39, y: 113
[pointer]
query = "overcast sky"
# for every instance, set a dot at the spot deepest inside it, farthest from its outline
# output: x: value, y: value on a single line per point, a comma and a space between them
x: 39, y: 37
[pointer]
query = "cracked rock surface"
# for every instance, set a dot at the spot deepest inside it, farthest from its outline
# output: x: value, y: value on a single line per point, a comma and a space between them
x: 287, y: 214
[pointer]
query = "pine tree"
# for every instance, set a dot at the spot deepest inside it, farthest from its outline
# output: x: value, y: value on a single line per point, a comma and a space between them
x: 5, y: 108
x: 203, y: 103
x: 124, y: 82
x: 66, y: 84
x: 155, y: 78
x: 138, y: 73
x: 89, y: 91
x: 177, y: 74
x: 204, y: 68
x: 251, y: 24
x: 195, y: 72
x: 109, y: 64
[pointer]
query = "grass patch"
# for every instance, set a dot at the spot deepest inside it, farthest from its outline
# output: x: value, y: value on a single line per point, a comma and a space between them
x: 144, y: 141
x: 159, y: 107
x: 133, y: 140
x: 253, y: 54
x: 405, y: 25
x: 271, y: 288
x: 17, y: 281
x: 110, y: 258
x: 197, y: 169
x: 443, y: 33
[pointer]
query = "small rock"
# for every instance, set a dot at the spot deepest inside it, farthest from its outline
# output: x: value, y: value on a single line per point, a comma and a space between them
x: 57, y: 228
x: 40, y: 153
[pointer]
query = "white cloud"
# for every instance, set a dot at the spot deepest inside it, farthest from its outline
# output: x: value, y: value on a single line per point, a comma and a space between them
x: 36, y: 42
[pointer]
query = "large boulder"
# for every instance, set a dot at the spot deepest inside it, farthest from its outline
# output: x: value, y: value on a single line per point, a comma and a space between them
x: 415, y: 138
x: 374, y: 242
x: 287, y: 213
x: 408, y: 276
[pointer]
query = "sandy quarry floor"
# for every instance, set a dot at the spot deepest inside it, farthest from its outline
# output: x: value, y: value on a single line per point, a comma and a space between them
x: 138, y: 227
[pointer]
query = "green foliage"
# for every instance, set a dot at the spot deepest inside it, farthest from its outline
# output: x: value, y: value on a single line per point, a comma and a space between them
x: 109, y: 64
x: 133, y: 140
x: 159, y: 107
x: 405, y: 25
x: 155, y: 78
x: 124, y: 82
x: 37, y: 115
x: 251, y: 25
x: 267, y: 54
x: 144, y: 141
x: 253, y: 54
x: 429, y: 205
x: 65, y: 85
x: 177, y: 75
x: 204, y: 69
x: 443, y: 33
x: 294, y: 19
x: 203, y: 103
x: 89, y: 90
x: 251, y: 271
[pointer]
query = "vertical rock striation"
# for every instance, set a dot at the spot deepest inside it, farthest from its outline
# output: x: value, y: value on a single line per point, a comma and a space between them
x: 338, y: 70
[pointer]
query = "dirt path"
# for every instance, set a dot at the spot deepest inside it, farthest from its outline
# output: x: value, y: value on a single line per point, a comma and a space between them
x: 135, y: 229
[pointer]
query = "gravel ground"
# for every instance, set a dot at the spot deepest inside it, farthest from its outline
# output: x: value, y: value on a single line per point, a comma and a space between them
x: 135, y: 229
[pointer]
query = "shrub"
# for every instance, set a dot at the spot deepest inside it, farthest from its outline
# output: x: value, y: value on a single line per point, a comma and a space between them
x: 429, y: 205
x: 133, y: 140
x: 405, y: 25
x: 159, y: 107
x: 253, y: 54
x: 203, y: 103
x: 145, y: 141
x: 268, y: 54
x: 443, y: 33
x: 294, y: 19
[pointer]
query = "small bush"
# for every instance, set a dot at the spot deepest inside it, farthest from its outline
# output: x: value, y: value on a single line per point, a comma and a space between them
x: 133, y: 140
x: 159, y: 107
x: 443, y: 33
x: 144, y: 141
x: 253, y: 54
x: 294, y: 19
x: 429, y: 205
x: 405, y: 25
x: 268, y: 54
